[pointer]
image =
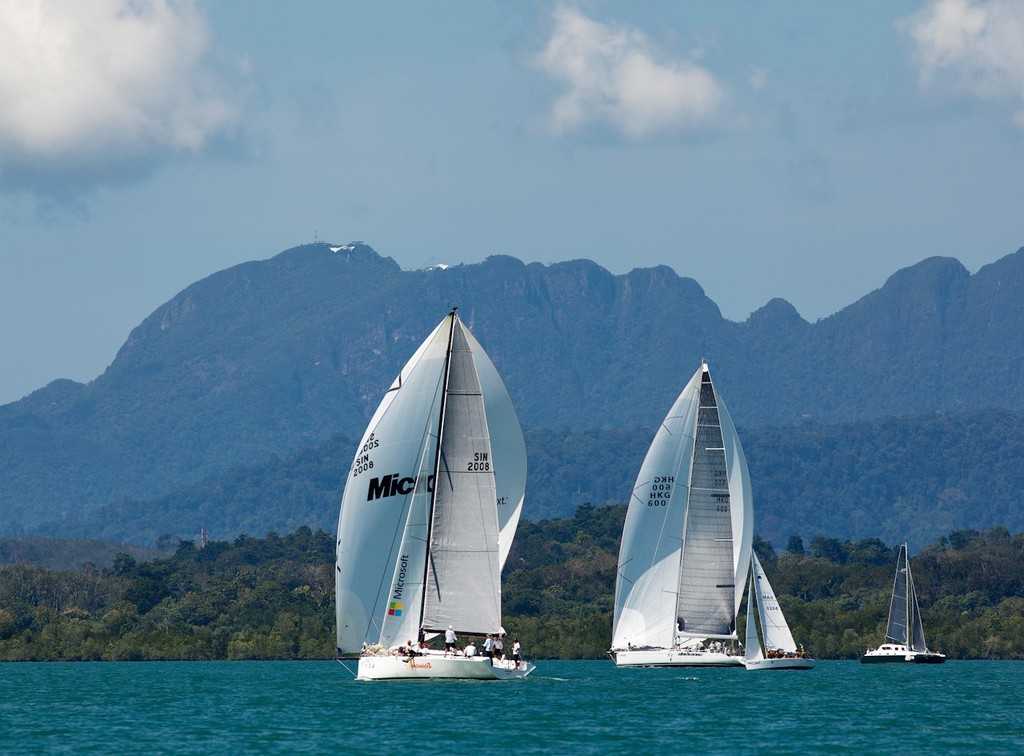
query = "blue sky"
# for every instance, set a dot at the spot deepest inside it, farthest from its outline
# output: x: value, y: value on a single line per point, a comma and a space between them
x: 803, y: 150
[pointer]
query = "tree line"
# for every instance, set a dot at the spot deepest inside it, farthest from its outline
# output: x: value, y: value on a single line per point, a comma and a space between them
x: 273, y: 597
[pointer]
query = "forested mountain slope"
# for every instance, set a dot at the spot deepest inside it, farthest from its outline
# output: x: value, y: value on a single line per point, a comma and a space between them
x: 900, y: 479
x: 270, y: 357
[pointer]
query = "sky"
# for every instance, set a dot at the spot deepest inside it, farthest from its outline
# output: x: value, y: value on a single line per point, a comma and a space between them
x: 802, y: 150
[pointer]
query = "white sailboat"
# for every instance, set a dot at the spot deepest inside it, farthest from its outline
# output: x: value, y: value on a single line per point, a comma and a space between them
x: 686, y: 542
x: 430, y: 508
x: 904, y: 634
x: 779, y: 650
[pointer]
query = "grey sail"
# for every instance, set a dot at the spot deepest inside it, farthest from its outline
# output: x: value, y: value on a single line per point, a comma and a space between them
x: 896, y: 631
x: 917, y: 635
x: 707, y: 590
x: 463, y: 585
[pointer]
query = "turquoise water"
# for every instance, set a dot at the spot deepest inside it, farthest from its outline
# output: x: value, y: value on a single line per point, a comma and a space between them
x: 574, y: 707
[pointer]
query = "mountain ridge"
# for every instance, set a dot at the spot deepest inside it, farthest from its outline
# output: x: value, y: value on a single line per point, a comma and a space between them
x: 268, y: 357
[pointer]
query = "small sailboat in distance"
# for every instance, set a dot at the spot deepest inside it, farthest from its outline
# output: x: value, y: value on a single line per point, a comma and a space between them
x: 779, y: 650
x: 430, y: 508
x: 904, y: 633
x: 686, y: 540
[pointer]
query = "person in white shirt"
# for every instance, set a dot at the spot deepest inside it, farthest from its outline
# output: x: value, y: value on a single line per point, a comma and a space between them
x: 449, y: 640
x: 515, y: 651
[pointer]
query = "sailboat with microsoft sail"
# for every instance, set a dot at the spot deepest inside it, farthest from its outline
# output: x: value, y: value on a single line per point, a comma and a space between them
x: 430, y: 509
x: 686, y: 541
x: 778, y: 651
x: 904, y: 633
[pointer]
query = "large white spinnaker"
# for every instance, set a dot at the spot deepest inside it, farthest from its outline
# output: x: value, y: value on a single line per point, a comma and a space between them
x: 741, y: 497
x: 507, y: 445
x: 648, y: 570
x: 379, y: 570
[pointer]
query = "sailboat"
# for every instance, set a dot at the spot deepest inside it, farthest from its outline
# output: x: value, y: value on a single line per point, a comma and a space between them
x: 686, y: 542
x: 779, y: 649
x: 904, y: 634
x: 430, y: 509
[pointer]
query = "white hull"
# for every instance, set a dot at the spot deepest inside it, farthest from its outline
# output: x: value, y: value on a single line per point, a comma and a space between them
x: 897, y: 654
x: 670, y: 657
x: 795, y: 663
x: 439, y: 667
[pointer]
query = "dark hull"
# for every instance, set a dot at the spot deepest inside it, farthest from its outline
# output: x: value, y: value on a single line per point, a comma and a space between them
x: 902, y: 659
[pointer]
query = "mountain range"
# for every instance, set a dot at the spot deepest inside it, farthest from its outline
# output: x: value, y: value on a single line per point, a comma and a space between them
x: 273, y: 357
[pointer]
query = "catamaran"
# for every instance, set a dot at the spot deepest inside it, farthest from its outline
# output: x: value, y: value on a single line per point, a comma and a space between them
x: 430, y: 508
x: 904, y: 633
x: 779, y: 650
x: 686, y: 542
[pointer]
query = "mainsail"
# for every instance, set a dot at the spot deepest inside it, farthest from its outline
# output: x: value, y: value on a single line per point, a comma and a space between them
x: 432, y: 500
x: 688, y: 531
x: 463, y: 576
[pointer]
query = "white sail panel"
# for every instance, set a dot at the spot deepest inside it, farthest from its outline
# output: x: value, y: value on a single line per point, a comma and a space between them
x: 387, y: 473
x: 507, y: 445
x: 774, y: 628
x: 648, y: 570
x: 463, y: 573
x: 741, y: 498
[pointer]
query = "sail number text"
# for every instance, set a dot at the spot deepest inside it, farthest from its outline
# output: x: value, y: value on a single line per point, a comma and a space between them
x: 661, y: 491
x: 480, y: 463
x: 363, y: 461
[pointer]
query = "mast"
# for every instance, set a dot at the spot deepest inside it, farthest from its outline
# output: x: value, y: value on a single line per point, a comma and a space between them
x: 437, y: 457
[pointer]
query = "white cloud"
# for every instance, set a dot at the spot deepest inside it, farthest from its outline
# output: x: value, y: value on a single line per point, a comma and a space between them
x: 972, y: 47
x: 613, y: 77
x: 100, y: 87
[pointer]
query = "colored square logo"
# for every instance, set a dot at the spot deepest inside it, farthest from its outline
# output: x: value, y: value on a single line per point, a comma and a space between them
x: 395, y: 608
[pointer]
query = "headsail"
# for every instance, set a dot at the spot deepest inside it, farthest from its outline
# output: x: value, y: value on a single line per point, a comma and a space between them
x: 917, y: 635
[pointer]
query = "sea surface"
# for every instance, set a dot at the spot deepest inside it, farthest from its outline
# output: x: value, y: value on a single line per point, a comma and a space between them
x: 563, y: 707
